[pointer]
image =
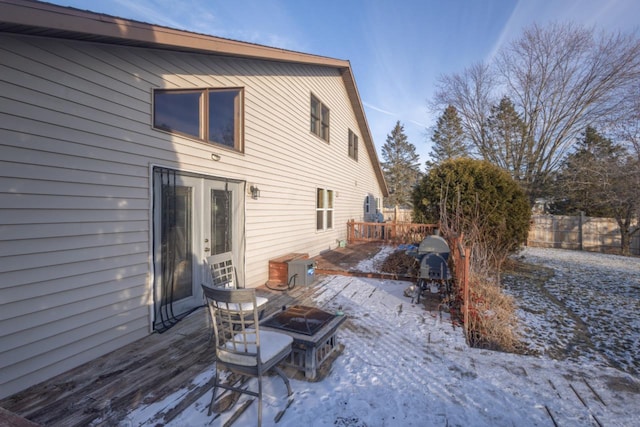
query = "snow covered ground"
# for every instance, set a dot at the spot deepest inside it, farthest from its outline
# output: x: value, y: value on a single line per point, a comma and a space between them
x: 585, y: 308
x: 404, y: 366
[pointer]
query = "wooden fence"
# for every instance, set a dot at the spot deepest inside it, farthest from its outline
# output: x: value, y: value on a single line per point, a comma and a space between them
x: 388, y: 232
x: 579, y: 233
x: 461, y: 258
x: 397, y: 214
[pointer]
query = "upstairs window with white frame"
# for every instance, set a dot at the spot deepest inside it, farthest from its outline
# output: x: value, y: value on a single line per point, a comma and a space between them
x: 324, y: 209
x: 210, y: 115
x: 319, y: 118
x: 353, y: 145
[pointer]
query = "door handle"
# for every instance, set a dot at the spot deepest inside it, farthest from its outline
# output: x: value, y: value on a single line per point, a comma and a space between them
x: 207, y: 249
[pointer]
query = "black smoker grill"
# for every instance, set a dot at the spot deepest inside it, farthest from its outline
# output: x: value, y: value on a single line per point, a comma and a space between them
x: 433, y: 254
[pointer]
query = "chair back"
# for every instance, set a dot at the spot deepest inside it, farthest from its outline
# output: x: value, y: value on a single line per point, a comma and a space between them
x: 234, y: 316
x: 223, y: 274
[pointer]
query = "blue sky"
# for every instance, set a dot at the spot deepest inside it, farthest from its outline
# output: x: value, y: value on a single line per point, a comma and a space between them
x: 397, y: 48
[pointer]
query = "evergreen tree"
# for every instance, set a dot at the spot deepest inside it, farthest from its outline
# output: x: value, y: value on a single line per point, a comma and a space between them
x: 588, y: 175
x: 448, y: 138
x: 507, y: 145
x: 400, y: 166
x: 601, y: 179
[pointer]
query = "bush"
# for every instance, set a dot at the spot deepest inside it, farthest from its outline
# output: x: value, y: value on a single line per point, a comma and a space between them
x: 479, y: 200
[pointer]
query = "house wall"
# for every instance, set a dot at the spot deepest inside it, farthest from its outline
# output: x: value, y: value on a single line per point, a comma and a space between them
x: 76, y: 148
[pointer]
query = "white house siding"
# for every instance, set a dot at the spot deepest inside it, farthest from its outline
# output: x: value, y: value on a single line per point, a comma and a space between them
x: 76, y: 145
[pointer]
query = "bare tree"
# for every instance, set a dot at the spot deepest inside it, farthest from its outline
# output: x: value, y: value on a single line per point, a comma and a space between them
x: 626, y: 128
x: 470, y: 92
x: 560, y: 78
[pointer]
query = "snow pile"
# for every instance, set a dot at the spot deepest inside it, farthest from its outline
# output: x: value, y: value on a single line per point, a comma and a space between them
x: 405, y: 366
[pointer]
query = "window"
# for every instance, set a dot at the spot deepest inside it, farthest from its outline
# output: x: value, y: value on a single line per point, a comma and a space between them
x: 211, y: 115
x: 324, y: 209
x: 319, y: 119
x: 353, y: 145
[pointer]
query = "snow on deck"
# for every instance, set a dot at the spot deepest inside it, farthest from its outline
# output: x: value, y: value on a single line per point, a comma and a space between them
x: 404, y: 366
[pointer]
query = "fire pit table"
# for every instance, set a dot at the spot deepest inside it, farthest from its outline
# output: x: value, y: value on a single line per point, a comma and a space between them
x: 313, y: 332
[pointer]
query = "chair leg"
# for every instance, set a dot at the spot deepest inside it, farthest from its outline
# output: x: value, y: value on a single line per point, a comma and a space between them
x: 259, y: 400
x: 284, y: 378
x: 213, y: 395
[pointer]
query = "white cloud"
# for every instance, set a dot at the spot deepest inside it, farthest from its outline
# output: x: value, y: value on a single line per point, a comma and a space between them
x: 378, y: 109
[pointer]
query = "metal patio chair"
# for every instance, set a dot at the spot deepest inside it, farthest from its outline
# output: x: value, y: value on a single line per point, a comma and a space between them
x: 241, y: 347
x: 223, y: 275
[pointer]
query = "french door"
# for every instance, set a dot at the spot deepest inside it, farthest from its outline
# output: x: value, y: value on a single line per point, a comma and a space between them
x: 194, y: 217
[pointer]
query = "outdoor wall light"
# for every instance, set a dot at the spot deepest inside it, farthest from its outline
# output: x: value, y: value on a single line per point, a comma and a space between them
x: 215, y: 157
x: 255, y: 192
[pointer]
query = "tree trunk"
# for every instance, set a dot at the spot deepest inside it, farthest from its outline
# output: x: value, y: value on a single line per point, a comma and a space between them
x: 625, y: 235
x: 625, y: 242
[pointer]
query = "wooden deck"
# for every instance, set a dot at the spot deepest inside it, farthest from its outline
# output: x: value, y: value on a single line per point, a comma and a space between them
x: 105, y: 390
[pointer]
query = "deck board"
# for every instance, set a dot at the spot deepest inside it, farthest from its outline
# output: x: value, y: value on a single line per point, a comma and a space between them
x: 105, y: 390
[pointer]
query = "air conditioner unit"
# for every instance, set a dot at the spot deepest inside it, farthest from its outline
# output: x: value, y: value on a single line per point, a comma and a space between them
x: 301, y: 272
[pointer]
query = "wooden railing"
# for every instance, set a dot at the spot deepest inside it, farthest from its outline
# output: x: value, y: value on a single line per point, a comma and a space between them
x: 390, y: 232
x: 461, y: 258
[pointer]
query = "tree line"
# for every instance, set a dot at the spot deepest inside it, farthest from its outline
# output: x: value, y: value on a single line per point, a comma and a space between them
x: 557, y: 109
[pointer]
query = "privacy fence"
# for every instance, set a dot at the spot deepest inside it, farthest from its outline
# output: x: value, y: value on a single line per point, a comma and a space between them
x: 578, y: 233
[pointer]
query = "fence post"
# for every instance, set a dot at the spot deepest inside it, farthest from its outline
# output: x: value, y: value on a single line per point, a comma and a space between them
x: 580, y: 235
x: 467, y: 298
x: 351, y: 231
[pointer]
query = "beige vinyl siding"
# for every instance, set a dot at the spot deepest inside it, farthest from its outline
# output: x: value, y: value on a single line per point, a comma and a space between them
x: 285, y: 222
x: 74, y: 198
x: 75, y: 218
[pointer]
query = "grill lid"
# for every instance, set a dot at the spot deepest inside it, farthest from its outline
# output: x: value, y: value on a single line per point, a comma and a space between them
x: 433, y: 244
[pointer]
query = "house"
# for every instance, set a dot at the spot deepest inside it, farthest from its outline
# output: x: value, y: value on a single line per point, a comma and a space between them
x: 129, y: 152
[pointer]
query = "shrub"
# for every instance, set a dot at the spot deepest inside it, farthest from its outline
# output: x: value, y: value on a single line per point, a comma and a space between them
x: 479, y: 200
x: 481, y: 203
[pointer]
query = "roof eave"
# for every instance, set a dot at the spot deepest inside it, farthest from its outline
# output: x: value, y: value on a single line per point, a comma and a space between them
x: 356, y: 104
x: 66, y: 22
x: 48, y: 20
